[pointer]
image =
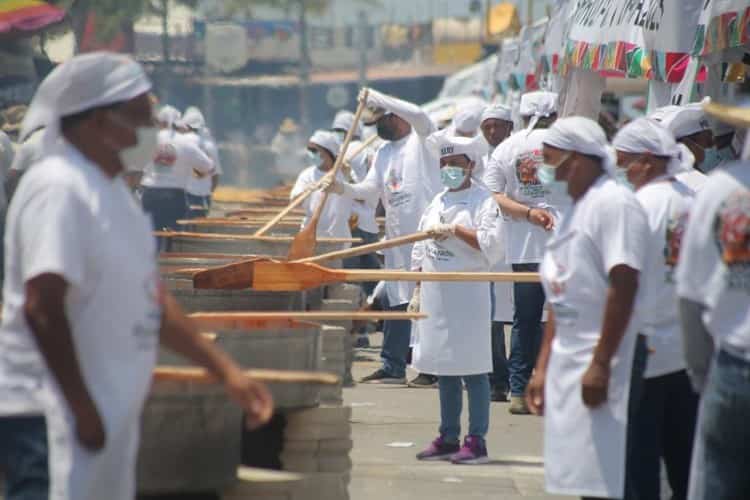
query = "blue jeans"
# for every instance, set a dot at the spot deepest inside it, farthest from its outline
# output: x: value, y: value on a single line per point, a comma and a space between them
x: 526, y: 335
x: 165, y: 206
x: 369, y: 261
x: 664, y: 428
x: 396, y: 336
x: 723, y: 435
x: 23, y: 457
x: 195, y: 201
x: 451, y: 403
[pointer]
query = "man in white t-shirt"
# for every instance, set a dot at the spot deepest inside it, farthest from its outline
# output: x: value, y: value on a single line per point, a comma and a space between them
x: 665, y: 421
x: 713, y: 283
x: 84, y: 310
x: 200, y: 187
x: 404, y: 176
x: 530, y: 211
x: 691, y: 127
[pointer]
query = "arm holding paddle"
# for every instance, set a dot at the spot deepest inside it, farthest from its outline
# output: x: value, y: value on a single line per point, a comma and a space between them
x: 413, y: 114
x: 179, y: 334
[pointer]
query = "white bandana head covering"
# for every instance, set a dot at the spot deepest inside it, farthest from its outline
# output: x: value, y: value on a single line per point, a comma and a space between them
x: 343, y: 121
x: 645, y: 135
x: 468, y: 119
x: 497, y: 112
x: 169, y: 115
x: 327, y: 140
x: 81, y: 83
x: 536, y: 105
x: 449, y: 145
x: 193, y: 118
x: 583, y: 135
x: 682, y: 121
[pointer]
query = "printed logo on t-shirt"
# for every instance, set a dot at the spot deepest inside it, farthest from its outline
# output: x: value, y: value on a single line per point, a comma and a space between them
x: 526, y: 167
x: 437, y: 252
x: 732, y: 233
x: 166, y: 155
x: 675, y: 231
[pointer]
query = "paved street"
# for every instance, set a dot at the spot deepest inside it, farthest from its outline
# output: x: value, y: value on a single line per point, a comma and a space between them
x: 383, y: 415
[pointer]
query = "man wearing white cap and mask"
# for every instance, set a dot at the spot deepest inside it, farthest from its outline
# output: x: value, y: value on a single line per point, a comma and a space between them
x: 200, y: 187
x: 664, y: 426
x: 713, y: 283
x: 691, y: 127
x: 367, y: 227
x: 402, y: 175
x: 496, y: 125
x: 591, y: 362
x: 166, y: 176
x: 454, y: 341
x: 323, y: 148
x: 530, y: 209
x: 84, y: 312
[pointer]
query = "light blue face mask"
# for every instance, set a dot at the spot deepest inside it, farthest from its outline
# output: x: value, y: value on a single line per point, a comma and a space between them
x: 711, y: 160
x: 621, y: 176
x: 727, y: 154
x: 314, y: 158
x: 452, y: 176
x: 546, y: 175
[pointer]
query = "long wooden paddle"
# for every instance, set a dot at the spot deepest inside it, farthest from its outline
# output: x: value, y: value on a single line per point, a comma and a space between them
x: 305, y: 241
x: 235, y: 275
x: 201, y: 376
x: 245, y: 237
x: 290, y: 319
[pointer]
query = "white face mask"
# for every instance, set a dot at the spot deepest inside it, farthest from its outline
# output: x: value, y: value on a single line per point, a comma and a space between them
x: 137, y: 156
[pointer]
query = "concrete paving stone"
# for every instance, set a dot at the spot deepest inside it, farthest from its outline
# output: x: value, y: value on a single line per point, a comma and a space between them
x: 335, y: 446
x: 346, y: 291
x: 319, y: 432
x: 301, y: 446
x: 324, y: 487
x: 321, y: 415
x: 299, y: 465
x: 335, y: 464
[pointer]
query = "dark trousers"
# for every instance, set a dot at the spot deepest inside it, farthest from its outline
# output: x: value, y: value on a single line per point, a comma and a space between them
x: 396, y: 336
x: 165, y: 206
x: 23, y: 457
x: 526, y: 335
x: 665, y: 428
x: 634, y: 399
x: 197, y: 206
x: 499, y: 378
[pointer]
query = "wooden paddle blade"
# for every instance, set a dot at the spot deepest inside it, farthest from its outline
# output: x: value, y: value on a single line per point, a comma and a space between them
x: 304, y: 243
x: 285, y: 276
x: 234, y: 276
x: 197, y: 375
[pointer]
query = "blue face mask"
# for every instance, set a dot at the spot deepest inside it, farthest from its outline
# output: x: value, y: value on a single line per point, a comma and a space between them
x: 727, y: 154
x: 452, y: 176
x: 546, y: 175
x: 621, y: 176
x: 711, y: 160
x: 314, y: 158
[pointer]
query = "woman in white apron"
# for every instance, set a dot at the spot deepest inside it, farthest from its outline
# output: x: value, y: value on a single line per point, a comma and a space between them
x: 454, y: 341
x: 590, y: 271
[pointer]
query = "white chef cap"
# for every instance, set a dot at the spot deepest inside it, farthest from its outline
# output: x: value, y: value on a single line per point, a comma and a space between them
x: 468, y: 118
x: 645, y: 135
x: 327, y: 140
x: 343, y: 121
x: 583, y: 135
x: 81, y: 83
x: 682, y: 120
x: 538, y: 104
x: 450, y: 145
x: 169, y: 115
x: 498, y: 112
x: 193, y: 118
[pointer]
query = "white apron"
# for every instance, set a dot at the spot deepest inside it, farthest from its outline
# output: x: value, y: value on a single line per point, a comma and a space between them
x: 455, y: 338
x: 116, y: 347
x: 584, y: 449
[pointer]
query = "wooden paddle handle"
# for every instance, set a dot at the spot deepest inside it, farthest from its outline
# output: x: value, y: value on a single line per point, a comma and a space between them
x: 201, y: 376
x: 365, y: 144
x: 365, y: 249
x: 454, y: 276
x: 292, y: 205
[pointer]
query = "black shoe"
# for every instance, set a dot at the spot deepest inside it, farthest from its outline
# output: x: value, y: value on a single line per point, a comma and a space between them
x: 381, y: 376
x: 424, y: 381
x: 499, y: 395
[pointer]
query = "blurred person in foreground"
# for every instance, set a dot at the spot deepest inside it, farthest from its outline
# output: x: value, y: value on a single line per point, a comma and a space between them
x: 589, y: 373
x: 713, y: 283
x: 404, y: 178
x: 649, y: 161
x: 84, y: 311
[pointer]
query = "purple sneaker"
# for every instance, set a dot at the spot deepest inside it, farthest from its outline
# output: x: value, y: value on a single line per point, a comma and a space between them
x: 474, y: 451
x: 439, y: 450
